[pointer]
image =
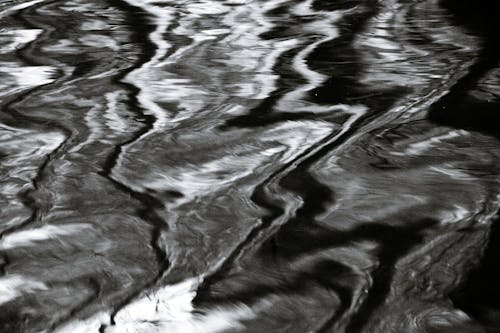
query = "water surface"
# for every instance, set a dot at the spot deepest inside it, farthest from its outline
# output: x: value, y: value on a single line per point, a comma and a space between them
x: 249, y: 166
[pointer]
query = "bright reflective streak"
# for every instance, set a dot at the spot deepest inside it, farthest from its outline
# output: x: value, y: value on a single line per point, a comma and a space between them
x: 19, y: 7
x: 13, y: 286
x: 29, y: 237
x: 15, y: 78
x: 16, y: 38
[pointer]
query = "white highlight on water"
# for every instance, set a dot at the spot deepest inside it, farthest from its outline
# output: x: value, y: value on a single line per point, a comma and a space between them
x: 47, y: 232
x: 13, y: 286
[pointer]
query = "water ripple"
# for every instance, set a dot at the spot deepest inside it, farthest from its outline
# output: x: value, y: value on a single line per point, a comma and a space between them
x: 248, y: 165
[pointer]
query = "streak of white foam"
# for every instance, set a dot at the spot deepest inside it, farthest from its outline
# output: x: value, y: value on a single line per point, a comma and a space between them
x: 214, y: 321
x: 28, y: 237
x: 168, y: 309
x: 453, y: 172
x: 17, y: 38
x: 24, y: 77
x: 13, y: 286
x: 33, y: 75
x: 420, y: 147
x: 19, y: 7
x: 170, y: 303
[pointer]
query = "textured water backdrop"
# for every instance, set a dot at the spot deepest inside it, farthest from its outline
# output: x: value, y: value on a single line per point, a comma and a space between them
x: 249, y: 166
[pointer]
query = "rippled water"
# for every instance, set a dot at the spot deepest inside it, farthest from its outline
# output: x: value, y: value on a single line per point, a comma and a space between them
x: 249, y: 166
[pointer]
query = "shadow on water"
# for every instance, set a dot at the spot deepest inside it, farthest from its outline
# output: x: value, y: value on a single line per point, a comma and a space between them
x: 302, y: 236
x: 459, y: 108
x: 480, y: 296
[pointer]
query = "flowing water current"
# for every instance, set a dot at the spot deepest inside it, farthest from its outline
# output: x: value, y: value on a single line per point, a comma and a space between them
x: 249, y: 166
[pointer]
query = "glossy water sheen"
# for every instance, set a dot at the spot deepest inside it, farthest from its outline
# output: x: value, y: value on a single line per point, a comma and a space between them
x: 249, y: 166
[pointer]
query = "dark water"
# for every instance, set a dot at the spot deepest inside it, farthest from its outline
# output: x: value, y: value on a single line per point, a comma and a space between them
x: 249, y: 166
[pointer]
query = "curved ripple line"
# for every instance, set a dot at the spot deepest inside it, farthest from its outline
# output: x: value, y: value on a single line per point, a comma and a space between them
x: 10, y: 107
x: 293, y: 100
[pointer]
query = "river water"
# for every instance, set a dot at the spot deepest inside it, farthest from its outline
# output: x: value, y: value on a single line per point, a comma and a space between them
x: 249, y: 166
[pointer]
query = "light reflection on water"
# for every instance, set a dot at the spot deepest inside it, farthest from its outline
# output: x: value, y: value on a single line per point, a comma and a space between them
x: 262, y: 166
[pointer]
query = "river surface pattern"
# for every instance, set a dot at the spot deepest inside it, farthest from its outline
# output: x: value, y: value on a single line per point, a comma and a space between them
x: 249, y: 166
